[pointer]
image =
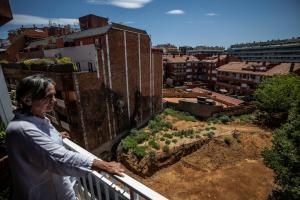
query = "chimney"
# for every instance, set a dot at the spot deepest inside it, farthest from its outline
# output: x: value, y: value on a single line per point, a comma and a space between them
x: 292, y: 67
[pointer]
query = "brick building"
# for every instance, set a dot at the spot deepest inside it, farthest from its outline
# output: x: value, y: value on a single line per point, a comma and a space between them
x: 124, y: 90
x: 208, y: 67
x: 181, y: 68
x: 243, y: 77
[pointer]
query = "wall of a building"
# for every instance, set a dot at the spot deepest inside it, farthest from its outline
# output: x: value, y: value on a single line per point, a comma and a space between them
x: 79, y: 54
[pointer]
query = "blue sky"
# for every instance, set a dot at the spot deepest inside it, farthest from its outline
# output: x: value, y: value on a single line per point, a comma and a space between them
x: 189, y: 22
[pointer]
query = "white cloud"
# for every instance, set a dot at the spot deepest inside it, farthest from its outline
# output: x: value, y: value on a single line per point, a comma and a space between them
x: 175, y: 12
x: 211, y: 14
x: 130, y: 4
x: 20, y: 19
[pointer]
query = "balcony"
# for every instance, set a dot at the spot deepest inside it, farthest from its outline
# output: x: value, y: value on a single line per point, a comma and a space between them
x: 101, y: 185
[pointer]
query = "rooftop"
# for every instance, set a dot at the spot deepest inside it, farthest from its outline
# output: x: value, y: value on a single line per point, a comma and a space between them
x: 180, y: 58
x: 258, y: 68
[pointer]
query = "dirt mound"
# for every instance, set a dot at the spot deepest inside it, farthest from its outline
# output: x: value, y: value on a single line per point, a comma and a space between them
x: 218, y: 171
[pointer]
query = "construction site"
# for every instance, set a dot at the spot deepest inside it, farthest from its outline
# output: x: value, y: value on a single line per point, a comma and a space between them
x: 202, y: 159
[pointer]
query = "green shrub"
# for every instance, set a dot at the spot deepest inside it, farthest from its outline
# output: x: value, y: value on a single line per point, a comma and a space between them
x: 180, y: 115
x: 210, y: 134
x: 227, y: 140
x: 139, y: 135
x: 207, y: 128
x: 154, y: 145
x: 213, y: 128
x: 162, y: 139
x: 224, y: 119
x: 158, y: 124
x: 167, y: 135
x: 248, y: 118
x: 174, y: 141
x: 166, y: 149
x: 152, y: 157
x: 129, y: 143
x: 184, y: 133
x: 139, y: 151
x: 168, y: 142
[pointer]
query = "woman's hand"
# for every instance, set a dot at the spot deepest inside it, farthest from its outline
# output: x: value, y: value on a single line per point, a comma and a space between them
x: 110, y: 167
x: 65, y: 134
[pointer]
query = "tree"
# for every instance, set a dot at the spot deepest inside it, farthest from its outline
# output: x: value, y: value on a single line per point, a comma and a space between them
x: 278, y: 94
x: 284, y: 158
x: 282, y: 94
x: 276, y: 98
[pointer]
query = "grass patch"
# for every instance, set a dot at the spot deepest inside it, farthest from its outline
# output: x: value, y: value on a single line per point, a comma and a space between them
x: 139, y: 151
x: 134, y: 138
x: 248, y: 118
x: 210, y: 134
x: 184, y: 133
x: 180, y: 115
x: 168, y: 135
x: 220, y: 119
x: 159, y: 124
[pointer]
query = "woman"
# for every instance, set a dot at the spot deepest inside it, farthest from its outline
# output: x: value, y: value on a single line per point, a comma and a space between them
x: 40, y: 164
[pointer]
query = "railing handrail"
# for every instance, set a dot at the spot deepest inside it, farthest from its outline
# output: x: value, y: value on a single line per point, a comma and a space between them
x: 129, y: 182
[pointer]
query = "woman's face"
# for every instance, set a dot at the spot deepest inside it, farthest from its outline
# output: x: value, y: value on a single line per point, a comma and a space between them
x: 46, y: 104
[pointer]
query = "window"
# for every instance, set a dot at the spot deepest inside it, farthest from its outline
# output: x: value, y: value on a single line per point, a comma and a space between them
x: 78, y: 66
x: 90, y: 65
x: 97, y: 41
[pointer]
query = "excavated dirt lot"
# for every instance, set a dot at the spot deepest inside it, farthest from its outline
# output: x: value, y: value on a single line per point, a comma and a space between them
x: 218, y: 170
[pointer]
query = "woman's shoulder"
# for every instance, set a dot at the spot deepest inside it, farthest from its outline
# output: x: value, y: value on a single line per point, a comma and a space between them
x: 18, y: 125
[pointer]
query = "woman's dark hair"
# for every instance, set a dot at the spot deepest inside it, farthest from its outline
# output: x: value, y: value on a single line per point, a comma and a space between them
x: 34, y: 87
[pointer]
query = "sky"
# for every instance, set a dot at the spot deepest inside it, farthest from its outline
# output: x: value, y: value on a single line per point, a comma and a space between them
x: 188, y: 22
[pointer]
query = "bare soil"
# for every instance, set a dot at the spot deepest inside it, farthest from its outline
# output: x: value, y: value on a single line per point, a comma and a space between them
x: 218, y: 170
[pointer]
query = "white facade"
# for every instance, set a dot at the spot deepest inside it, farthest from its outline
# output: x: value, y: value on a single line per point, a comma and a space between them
x: 85, y: 57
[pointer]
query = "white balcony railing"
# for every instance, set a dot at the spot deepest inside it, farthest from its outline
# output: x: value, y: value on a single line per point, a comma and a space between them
x: 60, y: 103
x: 101, y: 185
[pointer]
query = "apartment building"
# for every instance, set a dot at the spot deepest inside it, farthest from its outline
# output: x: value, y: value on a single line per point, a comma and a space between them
x: 242, y: 78
x: 115, y: 86
x: 181, y: 68
x: 202, y: 52
x: 208, y: 67
x: 269, y: 51
x: 168, y: 49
